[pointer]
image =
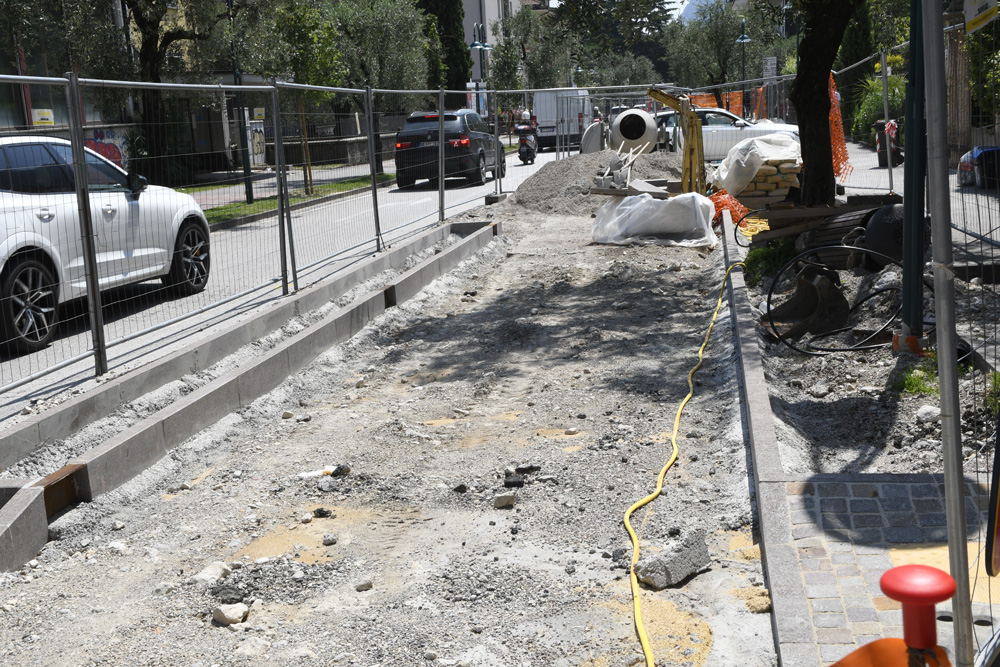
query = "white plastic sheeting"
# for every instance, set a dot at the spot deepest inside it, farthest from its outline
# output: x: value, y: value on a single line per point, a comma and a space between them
x: 744, y: 159
x: 685, y: 220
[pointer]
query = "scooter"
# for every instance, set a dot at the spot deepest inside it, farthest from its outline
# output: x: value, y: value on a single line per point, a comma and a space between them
x: 527, y: 148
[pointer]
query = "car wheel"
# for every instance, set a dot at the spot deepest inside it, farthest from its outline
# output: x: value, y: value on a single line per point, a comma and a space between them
x: 404, y: 180
x: 192, y: 260
x: 478, y: 177
x: 30, y: 305
x: 503, y: 167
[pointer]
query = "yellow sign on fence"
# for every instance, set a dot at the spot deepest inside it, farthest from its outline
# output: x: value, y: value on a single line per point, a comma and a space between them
x: 42, y: 117
x: 978, y: 13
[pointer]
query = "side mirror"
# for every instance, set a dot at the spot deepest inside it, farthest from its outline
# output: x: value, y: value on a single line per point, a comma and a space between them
x: 137, y: 184
x: 741, y: 123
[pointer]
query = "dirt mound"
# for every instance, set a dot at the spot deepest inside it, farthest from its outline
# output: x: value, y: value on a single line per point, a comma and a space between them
x: 562, y: 186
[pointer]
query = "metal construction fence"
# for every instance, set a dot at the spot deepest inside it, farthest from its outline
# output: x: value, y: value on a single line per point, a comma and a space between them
x: 193, y: 203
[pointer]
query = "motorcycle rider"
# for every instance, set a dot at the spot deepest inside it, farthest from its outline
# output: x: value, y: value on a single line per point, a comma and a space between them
x: 528, y: 133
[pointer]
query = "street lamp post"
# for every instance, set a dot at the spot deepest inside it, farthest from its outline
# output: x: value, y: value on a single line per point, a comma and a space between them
x: 480, y: 44
x: 742, y: 41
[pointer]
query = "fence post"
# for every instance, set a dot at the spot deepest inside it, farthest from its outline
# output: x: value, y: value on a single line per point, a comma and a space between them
x: 500, y: 156
x: 86, y: 224
x: 944, y: 305
x: 370, y: 116
x: 279, y: 164
x: 441, y: 154
x: 885, y: 110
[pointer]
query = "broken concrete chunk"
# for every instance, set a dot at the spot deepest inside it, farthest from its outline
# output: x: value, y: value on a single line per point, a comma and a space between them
x: 227, y: 614
x: 928, y: 413
x: 505, y: 500
x: 675, y: 563
x: 213, y: 573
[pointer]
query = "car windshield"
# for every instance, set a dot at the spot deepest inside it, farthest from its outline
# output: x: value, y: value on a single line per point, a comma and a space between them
x: 428, y: 122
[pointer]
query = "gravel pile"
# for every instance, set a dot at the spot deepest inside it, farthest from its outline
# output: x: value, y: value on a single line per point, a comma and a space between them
x: 562, y: 186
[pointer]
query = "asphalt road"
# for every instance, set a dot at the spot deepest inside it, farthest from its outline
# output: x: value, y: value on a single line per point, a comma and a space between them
x: 246, y: 269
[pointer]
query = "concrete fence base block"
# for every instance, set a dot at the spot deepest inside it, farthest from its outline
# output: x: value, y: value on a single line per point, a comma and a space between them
x: 24, y: 528
x: 67, y: 418
x: 23, y: 521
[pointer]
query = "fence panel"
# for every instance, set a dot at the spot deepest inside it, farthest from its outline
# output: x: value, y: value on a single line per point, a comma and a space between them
x: 202, y: 228
x: 324, y: 136
x: 408, y: 146
x: 44, y: 320
x: 973, y: 100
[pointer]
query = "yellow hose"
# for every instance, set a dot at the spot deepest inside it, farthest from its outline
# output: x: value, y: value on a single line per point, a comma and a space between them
x: 636, y: 605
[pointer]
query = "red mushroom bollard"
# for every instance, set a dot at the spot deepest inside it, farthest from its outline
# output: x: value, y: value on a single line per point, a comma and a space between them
x: 918, y: 588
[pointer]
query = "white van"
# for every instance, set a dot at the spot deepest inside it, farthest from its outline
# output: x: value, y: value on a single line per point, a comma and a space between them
x: 573, y: 105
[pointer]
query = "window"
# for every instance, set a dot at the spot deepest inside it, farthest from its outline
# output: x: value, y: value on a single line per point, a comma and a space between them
x: 717, y: 119
x: 100, y: 175
x: 476, y: 123
x: 34, y: 170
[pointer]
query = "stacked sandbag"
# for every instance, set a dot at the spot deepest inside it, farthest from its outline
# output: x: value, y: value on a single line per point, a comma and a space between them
x: 773, y: 179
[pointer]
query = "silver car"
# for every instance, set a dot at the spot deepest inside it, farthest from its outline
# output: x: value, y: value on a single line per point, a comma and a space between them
x: 141, y: 232
x: 720, y: 130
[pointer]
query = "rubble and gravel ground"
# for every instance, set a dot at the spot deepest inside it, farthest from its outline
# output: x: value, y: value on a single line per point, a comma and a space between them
x: 545, y: 367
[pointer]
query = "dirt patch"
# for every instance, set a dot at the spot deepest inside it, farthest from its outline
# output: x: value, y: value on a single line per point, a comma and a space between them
x: 556, y: 381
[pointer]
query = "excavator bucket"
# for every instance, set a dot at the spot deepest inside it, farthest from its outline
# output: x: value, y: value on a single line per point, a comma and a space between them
x: 816, y: 307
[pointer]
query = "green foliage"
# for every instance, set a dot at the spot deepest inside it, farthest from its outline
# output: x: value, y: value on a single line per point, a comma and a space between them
x: 703, y: 51
x: 791, y: 64
x: 870, y: 106
x: 239, y: 209
x: 895, y: 62
x: 855, y: 47
x: 380, y: 46
x: 448, y: 17
x: 890, y: 23
x: 437, y: 70
x: 543, y: 47
x: 919, y: 379
x: 984, y: 73
x: 992, y: 396
x: 615, y: 25
x: 765, y: 261
x: 504, y: 74
x: 624, y: 70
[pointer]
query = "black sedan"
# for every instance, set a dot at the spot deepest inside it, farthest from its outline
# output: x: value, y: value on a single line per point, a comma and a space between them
x: 470, y: 149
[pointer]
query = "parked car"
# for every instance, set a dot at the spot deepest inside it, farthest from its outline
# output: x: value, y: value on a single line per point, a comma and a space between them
x: 141, y: 232
x: 720, y: 130
x: 470, y: 151
x: 967, y: 169
x: 980, y: 167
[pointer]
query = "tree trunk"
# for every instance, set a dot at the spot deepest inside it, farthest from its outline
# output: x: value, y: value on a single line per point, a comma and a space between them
x: 153, y: 116
x: 824, y: 26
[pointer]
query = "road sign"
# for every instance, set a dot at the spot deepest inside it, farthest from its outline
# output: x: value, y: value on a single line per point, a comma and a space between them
x: 770, y: 67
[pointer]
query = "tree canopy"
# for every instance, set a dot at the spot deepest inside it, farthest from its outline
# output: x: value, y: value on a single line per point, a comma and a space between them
x: 447, y: 17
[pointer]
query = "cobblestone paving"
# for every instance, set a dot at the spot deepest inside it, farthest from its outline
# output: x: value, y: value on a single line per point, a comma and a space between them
x: 843, y: 532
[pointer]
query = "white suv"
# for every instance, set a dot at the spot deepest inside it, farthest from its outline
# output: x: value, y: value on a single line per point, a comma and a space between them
x: 141, y: 232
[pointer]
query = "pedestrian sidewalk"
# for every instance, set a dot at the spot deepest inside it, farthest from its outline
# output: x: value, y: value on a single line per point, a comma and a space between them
x: 827, y: 539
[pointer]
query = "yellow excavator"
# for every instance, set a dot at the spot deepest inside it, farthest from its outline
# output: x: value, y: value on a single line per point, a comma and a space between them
x: 693, y: 175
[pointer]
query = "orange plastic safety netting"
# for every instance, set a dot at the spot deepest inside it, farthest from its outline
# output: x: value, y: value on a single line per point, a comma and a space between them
x: 724, y: 200
x: 841, y: 164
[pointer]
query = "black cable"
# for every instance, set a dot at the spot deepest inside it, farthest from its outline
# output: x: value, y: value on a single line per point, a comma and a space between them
x: 792, y: 262
x: 860, y: 345
x: 736, y: 229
